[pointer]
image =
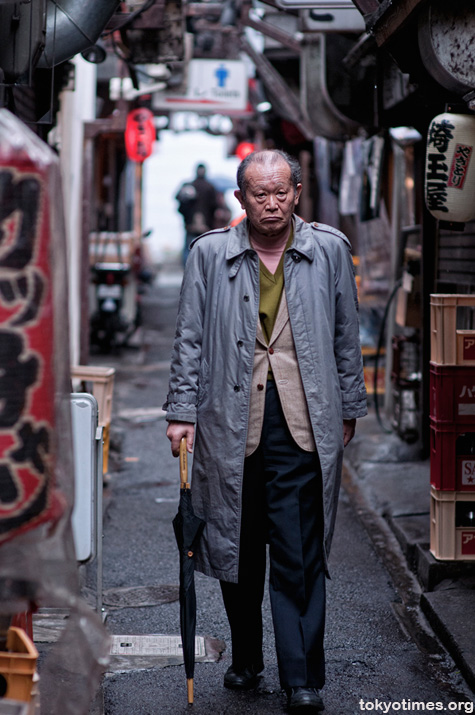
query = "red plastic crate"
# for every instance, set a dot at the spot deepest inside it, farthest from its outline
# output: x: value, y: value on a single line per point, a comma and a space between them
x: 449, y: 470
x: 452, y: 393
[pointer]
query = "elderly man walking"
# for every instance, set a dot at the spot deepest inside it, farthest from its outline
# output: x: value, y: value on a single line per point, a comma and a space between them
x: 266, y: 383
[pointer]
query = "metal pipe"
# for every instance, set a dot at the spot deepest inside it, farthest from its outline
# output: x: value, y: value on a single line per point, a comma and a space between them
x: 72, y: 26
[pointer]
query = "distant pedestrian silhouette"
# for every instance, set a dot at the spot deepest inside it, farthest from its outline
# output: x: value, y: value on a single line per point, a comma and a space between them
x: 197, y: 203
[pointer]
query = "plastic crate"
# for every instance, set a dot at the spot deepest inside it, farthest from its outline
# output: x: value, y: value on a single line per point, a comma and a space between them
x: 18, y: 665
x: 450, y: 541
x: 450, y: 346
x: 452, y: 393
x: 452, y: 457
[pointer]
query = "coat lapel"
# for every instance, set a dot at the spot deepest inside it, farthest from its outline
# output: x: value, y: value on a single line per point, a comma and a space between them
x: 281, y: 320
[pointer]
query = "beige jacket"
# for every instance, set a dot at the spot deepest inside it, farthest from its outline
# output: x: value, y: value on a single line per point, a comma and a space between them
x: 280, y: 353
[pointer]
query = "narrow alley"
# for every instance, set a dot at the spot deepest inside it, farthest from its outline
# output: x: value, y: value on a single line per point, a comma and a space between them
x: 371, y: 659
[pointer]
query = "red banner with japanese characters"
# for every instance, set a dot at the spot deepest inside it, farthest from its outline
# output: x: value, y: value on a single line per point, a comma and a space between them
x: 27, y: 402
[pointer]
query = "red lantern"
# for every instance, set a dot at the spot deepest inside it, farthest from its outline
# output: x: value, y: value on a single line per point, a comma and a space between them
x: 139, y: 134
x: 244, y: 148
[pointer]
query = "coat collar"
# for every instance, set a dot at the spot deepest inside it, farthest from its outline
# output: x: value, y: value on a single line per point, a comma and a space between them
x: 238, y: 243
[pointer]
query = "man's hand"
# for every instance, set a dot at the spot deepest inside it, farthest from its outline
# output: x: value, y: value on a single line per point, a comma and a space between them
x: 348, y: 431
x: 177, y: 430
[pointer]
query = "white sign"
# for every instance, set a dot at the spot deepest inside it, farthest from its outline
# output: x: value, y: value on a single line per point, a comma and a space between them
x: 213, y: 85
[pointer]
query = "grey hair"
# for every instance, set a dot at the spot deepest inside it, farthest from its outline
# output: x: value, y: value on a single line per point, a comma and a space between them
x: 263, y: 157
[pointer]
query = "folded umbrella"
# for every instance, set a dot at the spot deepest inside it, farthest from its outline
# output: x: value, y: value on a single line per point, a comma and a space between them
x: 188, y: 528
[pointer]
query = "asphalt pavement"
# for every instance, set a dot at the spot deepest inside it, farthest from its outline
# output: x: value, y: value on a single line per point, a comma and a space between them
x: 388, y: 640
x: 391, y: 488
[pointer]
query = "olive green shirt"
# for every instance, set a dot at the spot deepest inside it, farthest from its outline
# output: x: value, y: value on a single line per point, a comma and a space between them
x: 271, y: 287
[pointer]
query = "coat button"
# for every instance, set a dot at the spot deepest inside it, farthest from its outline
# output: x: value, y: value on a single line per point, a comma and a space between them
x: 240, y: 343
x: 246, y: 298
x: 271, y: 351
x: 296, y: 257
x: 260, y: 387
x: 236, y: 388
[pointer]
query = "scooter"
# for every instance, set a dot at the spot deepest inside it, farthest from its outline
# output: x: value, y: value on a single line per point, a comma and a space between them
x: 109, y: 327
x: 117, y: 289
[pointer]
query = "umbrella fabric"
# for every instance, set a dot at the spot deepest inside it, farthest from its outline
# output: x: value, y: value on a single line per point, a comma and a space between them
x: 188, y: 528
x: 223, y: 183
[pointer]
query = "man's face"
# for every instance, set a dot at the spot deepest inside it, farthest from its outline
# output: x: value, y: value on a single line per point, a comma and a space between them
x: 270, y: 198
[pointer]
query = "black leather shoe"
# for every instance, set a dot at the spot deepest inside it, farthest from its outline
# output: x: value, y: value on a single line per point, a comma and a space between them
x: 304, y: 700
x: 245, y: 679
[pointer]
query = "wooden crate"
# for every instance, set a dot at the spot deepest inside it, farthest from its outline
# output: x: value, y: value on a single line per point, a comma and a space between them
x: 450, y: 346
x: 99, y: 382
x: 112, y: 247
x: 448, y: 541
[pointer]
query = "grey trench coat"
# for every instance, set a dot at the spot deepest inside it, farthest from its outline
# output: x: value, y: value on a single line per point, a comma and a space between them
x: 212, y: 364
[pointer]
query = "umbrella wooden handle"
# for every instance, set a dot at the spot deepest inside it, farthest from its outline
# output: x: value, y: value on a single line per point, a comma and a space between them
x: 184, y: 484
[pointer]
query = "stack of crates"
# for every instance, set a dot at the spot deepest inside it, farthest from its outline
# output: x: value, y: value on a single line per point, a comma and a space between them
x: 452, y: 418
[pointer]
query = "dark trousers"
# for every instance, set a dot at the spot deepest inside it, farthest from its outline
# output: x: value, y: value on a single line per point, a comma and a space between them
x: 282, y: 506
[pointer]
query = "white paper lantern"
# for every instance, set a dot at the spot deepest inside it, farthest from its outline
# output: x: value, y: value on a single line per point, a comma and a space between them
x: 449, y: 185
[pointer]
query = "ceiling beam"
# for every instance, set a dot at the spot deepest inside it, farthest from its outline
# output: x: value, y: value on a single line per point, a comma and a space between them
x: 366, y: 6
x: 196, y: 9
x: 390, y: 17
x: 292, y: 42
x: 282, y: 97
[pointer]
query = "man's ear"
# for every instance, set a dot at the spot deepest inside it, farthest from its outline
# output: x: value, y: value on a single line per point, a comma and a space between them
x: 298, y: 191
x: 240, y: 198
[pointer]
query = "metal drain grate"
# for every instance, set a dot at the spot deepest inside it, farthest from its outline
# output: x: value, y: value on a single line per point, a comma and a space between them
x: 138, y: 596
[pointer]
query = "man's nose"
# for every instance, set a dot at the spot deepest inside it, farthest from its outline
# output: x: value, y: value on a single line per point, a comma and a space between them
x: 271, y: 202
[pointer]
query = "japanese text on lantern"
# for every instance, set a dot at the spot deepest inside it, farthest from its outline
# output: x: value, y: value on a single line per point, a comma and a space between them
x: 440, y: 134
x: 459, y: 167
